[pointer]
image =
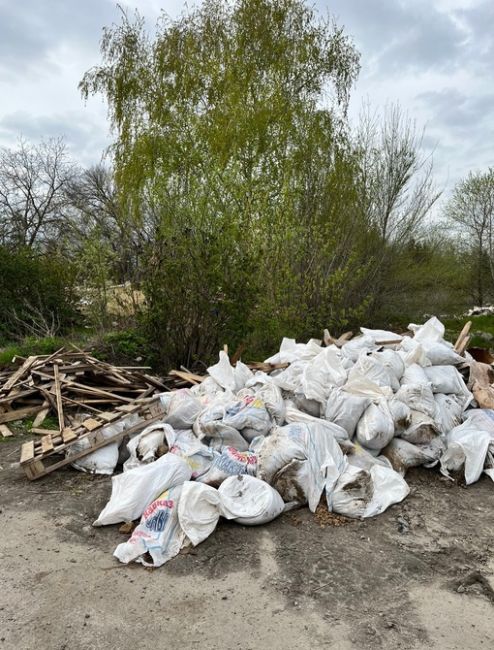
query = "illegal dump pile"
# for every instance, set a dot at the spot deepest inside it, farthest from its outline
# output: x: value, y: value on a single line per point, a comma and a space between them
x: 341, y: 422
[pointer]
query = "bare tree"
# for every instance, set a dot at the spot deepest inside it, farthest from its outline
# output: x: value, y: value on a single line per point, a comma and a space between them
x: 32, y: 198
x: 97, y: 212
x: 471, y: 211
x: 397, y: 186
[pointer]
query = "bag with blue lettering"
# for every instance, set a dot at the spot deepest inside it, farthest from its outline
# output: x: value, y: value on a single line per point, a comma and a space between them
x: 159, y: 536
x: 230, y: 462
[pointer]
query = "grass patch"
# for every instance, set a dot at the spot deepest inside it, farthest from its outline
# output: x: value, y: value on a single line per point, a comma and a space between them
x: 482, y: 328
x: 29, y: 347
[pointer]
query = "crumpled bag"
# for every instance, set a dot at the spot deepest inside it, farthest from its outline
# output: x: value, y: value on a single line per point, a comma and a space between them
x: 361, y: 493
x: 301, y: 460
x: 134, y: 490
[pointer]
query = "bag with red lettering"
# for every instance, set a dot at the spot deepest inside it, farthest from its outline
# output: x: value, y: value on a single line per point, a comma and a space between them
x: 159, y: 536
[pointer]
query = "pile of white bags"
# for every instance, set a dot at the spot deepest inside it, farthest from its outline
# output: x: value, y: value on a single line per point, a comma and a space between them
x: 344, y: 423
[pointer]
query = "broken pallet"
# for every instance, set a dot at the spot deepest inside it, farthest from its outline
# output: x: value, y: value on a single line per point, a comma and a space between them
x: 41, y: 457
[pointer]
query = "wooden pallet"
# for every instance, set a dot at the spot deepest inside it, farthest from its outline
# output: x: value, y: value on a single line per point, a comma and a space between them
x: 41, y: 457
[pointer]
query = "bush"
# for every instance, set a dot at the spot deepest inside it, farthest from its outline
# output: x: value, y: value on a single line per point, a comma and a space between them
x: 37, y: 294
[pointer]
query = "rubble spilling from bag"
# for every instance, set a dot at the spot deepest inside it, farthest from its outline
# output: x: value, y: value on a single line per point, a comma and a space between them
x: 342, y: 424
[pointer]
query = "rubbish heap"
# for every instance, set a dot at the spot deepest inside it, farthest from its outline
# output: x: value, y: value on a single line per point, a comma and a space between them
x: 341, y: 421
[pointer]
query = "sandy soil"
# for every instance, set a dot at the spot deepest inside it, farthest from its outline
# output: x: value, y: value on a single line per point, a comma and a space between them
x: 419, y: 576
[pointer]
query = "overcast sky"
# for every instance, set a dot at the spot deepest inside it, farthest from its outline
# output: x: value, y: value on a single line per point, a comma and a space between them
x: 433, y: 56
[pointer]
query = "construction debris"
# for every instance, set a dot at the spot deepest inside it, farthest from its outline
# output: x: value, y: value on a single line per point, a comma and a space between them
x: 334, y: 426
x: 85, y: 395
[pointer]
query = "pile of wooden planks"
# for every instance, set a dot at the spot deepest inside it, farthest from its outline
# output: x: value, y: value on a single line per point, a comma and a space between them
x: 83, y: 394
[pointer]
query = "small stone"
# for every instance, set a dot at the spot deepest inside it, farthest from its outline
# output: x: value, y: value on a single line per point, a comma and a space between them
x: 87, y: 615
x: 461, y: 589
x: 224, y: 597
x: 390, y: 624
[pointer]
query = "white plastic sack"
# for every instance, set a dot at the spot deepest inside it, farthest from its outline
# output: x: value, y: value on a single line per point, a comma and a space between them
x: 291, y: 351
x: 413, y: 353
x: 183, y: 409
x: 143, y: 448
x: 158, y: 534
x: 300, y: 461
x: 448, y: 411
x: 292, y: 414
x: 345, y: 409
x: 134, y: 490
x: 185, y: 444
x: 418, y: 397
x: 445, y: 379
x: 376, y: 428
x: 105, y: 459
x: 230, y: 462
x: 249, y: 416
x: 401, y: 414
x: 270, y: 394
x: 209, y: 425
x: 483, y: 419
x: 380, y: 336
x: 370, y: 368
x: 291, y: 378
x: 414, y: 374
x: 353, y: 348
x: 441, y: 353
x: 249, y: 501
x: 198, y: 511
x: 392, y: 361
x: 361, y: 493
x: 473, y: 443
x: 324, y: 371
x: 227, y: 376
x: 403, y: 455
x: 431, y: 331
x: 422, y: 429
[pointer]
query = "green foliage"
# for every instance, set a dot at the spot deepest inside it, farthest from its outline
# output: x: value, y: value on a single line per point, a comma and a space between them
x: 123, y: 346
x: 471, y: 212
x: 30, y: 346
x: 37, y: 294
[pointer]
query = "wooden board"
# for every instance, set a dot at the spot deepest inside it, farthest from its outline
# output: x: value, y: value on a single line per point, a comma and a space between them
x: 5, y: 431
x: 27, y: 451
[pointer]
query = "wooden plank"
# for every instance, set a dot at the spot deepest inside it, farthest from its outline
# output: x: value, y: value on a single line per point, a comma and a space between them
x: 463, y: 334
x: 58, y: 395
x: 90, y: 424
x: 46, y: 444
x: 68, y: 435
x: 45, y: 432
x: 40, y: 418
x: 27, y: 451
x: 5, y: 431
x: 109, y: 416
x: 19, y: 414
x: 128, y: 408
x: 187, y: 376
x: 18, y: 374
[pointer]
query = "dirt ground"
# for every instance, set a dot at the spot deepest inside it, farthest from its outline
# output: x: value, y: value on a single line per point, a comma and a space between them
x: 419, y: 576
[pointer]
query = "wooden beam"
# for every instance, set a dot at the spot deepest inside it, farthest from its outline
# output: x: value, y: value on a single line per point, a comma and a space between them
x: 58, y: 396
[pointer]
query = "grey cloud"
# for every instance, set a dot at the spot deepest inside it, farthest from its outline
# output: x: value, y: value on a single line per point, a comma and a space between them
x: 457, y: 111
x: 30, y: 30
x: 403, y: 35
x: 85, y: 138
